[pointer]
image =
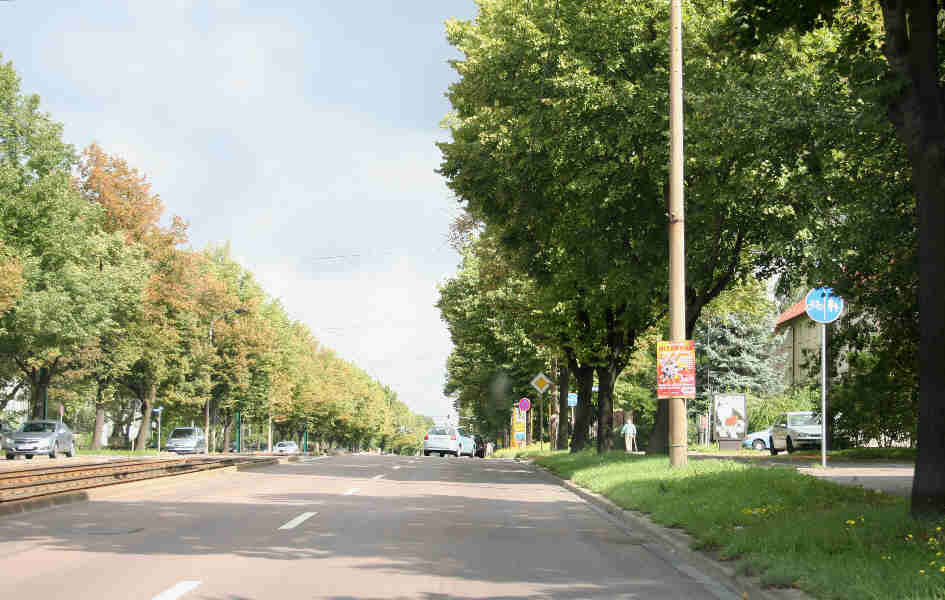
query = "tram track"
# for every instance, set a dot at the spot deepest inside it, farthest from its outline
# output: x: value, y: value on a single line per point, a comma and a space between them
x: 39, y: 482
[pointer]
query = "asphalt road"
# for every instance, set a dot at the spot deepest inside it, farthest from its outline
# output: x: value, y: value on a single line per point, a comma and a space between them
x: 341, y: 528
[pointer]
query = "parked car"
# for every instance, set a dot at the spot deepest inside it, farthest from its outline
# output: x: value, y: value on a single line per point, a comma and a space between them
x: 286, y: 447
x: 480, y: 446
x: 442, y: 440
x: 40, y: 437
x: 757, y: 440
x: 795, y: 430
x: 468, y: 443
x: 186, y: 440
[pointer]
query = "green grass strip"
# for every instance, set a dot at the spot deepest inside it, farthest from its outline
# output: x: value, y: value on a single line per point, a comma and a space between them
x: 793, y: 530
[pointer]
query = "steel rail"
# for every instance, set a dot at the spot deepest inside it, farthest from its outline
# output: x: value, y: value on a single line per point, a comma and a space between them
x: 32, y: 489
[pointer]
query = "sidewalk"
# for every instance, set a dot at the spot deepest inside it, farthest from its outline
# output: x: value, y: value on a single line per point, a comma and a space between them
x: 890, y: 477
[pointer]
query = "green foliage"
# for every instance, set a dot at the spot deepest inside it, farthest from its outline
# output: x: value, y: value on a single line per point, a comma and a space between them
x: 763, y: 410
x: 875, y: 400
x: 740, y: 352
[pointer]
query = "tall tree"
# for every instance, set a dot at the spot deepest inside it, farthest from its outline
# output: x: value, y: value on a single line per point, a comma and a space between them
x: 909, y: 35
x: 74, y: 273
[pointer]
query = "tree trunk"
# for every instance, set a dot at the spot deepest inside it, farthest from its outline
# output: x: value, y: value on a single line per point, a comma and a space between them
x: 39, y: 390
x: 918, y: 114
x: 928, y: 485
x: 227, y: 430
x: 585, y: 380
x: 606, y: 376
x: 564, y: 379
x: 147, y: 403
x: 99, y: 432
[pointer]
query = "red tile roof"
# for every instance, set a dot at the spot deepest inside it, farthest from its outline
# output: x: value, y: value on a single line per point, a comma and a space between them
x: 796, y: 310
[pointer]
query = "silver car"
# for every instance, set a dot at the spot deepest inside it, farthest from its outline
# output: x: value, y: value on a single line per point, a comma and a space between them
x: 442, y: 440
x: 286, y: 447
x: 186, y: 440
x: 40, y: 437
x: 795, y: 430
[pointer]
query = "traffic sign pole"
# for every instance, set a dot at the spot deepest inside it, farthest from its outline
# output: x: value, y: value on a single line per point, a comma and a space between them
x: 822, y: 306
x: 823, y: 395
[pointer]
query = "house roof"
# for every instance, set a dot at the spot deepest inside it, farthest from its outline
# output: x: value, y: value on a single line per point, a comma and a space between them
x: 799, y: 308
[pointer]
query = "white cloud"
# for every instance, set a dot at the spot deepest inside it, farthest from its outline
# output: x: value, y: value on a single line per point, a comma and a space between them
x: 239, y: 122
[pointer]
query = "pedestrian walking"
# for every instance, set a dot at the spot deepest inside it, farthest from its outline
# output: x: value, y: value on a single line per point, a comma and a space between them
x: 629, y: 431
x: 489, y: 449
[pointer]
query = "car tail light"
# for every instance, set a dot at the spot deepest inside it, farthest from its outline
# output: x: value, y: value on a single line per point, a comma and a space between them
x: 426, y: 437
x: 452, y: 437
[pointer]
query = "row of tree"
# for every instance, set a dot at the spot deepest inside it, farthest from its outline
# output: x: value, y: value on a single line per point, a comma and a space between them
x: 806, y: 124
x: 104, y: 310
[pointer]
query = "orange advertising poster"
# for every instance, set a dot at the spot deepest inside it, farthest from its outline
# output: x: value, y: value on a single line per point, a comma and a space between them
x: 676, y: 369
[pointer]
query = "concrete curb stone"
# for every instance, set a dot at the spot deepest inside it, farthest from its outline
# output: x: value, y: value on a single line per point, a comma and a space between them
x: 676, y: 542
x: 33, y: 504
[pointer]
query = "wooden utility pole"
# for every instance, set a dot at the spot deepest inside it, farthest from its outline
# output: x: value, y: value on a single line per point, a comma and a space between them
x: 677, y: 231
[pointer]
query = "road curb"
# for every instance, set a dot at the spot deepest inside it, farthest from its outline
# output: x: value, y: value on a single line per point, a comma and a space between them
x: 33, y: 504
x: 676, y: 543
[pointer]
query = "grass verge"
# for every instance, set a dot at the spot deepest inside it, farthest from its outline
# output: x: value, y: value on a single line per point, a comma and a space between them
x: 793, y: 530
x: 107, y: 452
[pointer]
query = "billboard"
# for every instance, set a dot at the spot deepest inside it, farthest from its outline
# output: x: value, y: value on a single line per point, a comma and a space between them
x: 676, y: 369
x: 731, y: 419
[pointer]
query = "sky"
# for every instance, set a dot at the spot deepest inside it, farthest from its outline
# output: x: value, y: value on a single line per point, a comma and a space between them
x: 301, y: 133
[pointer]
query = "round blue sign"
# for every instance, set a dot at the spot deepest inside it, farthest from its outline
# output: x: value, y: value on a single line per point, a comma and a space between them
x: 822, y: 306
x: 572, y: 399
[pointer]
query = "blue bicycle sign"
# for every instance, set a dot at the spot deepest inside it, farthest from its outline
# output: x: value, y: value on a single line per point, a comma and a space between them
x: 822, y: 306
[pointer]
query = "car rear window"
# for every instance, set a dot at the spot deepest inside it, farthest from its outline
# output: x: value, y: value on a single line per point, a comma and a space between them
x: 182, y: 433
x: 440, y: 431
x: 38, y: 427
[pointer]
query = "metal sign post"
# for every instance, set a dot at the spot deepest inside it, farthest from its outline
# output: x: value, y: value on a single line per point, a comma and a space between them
x: 823, y: 307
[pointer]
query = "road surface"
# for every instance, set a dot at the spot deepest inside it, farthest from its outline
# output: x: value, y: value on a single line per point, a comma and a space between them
x: 341, y: 528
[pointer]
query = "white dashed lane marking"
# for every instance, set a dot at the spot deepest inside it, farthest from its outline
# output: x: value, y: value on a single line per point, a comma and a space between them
x: 177, y: 591
x: 298, y: 520
x: 381, y: 476
x: 352, y: 491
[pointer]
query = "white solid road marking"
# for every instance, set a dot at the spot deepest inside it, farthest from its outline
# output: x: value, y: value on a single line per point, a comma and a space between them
x: 352, y: 491
x: 298, y: 520
x: 177, y: 591
x: 378, y: 476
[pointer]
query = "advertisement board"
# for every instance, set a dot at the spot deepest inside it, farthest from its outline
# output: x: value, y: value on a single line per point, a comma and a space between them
x: 518, y: 425
x: 731, y: 419
x: 676, y: 369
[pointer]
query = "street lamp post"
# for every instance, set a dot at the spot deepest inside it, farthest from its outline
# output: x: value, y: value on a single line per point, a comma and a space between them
x: 206, y: 408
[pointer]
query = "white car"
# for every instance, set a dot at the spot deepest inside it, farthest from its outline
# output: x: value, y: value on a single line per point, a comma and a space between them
x: 286, y: 448
x: 442, y: 440
x: 795, y: 429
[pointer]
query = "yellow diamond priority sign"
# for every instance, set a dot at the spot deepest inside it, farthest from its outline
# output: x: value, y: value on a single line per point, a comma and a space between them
x: 541, y: 382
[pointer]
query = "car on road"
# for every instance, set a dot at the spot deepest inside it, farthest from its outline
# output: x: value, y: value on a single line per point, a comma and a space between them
x: 757, y: 440
x: 43, y: 436
x: 286, y: 447
x: 186, y: 440
x: 795, y: 430
x: 442, y: 440
x: 468, y: 443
